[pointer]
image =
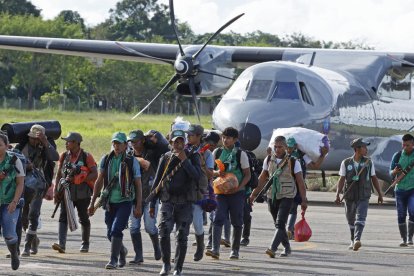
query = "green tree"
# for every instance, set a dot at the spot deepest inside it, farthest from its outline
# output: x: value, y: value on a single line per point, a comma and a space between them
x: 73, y: 17
x: 18, y: 7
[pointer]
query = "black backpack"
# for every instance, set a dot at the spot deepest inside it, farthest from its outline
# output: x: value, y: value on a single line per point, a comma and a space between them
x: 254, y: 166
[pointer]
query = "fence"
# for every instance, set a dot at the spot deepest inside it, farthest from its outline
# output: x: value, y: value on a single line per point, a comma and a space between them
x: 182, y: 106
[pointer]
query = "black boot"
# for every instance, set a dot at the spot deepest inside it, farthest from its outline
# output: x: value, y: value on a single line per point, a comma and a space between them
x: 35, y: 245
x: 403, y: 232
x: 166, y: 255
x: 180, y: 251
x: 156, y: 244
x: 28, y: 244
x: 63, y: 232
x: 86, y: 233
x: 246, y: 233
x: 122, y: 256
x: 237, y: 232
x: 116, y: 244
x: 137, y: 243
x: 198, y: 255
x: 210, y: 237
x: 410, y: 232
x: 15, y: 262
x: 215, y: 251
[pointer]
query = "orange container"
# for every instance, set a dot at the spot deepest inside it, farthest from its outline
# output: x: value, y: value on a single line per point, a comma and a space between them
x: 225, y: 184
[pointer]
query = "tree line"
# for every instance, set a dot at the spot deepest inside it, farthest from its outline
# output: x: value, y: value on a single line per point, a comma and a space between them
x: 45, y: 76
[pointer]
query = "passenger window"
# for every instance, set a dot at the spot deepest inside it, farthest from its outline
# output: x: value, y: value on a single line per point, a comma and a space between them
x: 286, y: 90
x: 305, y: 94
x: 259, y: 89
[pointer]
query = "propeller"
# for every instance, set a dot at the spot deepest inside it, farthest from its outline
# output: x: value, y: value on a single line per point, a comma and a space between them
x: 186, y: 65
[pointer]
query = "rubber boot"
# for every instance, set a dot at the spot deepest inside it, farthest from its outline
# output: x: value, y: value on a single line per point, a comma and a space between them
x: 35, y: 245
x: 410, y: 232
x: 198, y: 255
x: 180, y: 251
x: 215, y: 251
x: 63, y: 232
x: 359, y: 228
x: 352, y: 230
x: 28, y: 245
x: 137, y: 243
x: 156, y: 244
x: 246, y: 233
x: 166, y: 255
x: 86, y: 233
x: 122, y: 255
x: 235, y: 247
x: 210, y: 237
x: 116, y: 245
x: 15, y: 262
x: 403, y: 232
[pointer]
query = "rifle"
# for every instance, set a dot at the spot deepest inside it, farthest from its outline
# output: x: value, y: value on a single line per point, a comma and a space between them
x: 158, y: 188
x: 70, y: 171
x: 104, y: 198
x: 400, y: 177
x: 354, y: 181
x: 269, y: 182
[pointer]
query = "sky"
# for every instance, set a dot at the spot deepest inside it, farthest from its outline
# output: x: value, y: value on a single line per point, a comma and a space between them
x: 383, y: 24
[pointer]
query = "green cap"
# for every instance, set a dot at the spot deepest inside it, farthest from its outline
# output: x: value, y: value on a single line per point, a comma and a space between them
x: 119, y: 137
x: 291, y: 142
x: 177, y: 134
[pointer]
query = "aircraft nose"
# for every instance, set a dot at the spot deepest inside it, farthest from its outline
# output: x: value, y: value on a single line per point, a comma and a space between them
x: 249, y: 136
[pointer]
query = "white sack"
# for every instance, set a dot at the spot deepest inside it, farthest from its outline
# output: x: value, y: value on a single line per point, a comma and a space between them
x: 308, y: 141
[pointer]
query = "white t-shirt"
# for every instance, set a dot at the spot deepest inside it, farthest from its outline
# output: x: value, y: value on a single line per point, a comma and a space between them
x: 342, y: 170
x: 297, y: 169
x: 19, y: 167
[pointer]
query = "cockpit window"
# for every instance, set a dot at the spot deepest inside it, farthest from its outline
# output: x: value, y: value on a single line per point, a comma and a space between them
x: 259, y: 89
x: 305, y: 93
x: 286, y: 90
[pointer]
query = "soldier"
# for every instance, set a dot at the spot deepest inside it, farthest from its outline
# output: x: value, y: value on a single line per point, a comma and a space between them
x: 11, y: 181
x: 286, y: 175
x: 148, y: 168
x: 195, y: 133
x: 81, y: 188
x: 175, y: 185
x: 40, y: 155
x: 401, y: 167
x: 356, y: 174
x: 120, y: 176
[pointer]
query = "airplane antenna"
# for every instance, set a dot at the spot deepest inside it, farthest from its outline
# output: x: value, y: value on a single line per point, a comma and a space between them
x: 312, y: 59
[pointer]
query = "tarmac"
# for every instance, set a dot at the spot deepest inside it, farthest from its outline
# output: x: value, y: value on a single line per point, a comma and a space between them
x: 326, y: 253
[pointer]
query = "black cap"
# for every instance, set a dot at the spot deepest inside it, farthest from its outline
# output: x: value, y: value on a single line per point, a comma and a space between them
x: 135, y: 135
x: 213, y: 137
x: 73, y: 136
x: 195, y: 130
x: 359, y: 143
x: 177, y: 134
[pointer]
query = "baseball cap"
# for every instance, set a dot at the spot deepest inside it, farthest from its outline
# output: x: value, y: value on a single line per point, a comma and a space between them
x: 135, y: 135
x: 212, y: 137
x: 35, y: 129
x: 177, y: 134
x: 359, y: 143
x: 291, y: 142
x: 195, y: 130
x: 73, y: 136
x: 119, y: 137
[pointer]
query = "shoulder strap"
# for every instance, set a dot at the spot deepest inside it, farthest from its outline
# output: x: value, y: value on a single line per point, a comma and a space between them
x: 398, y: 156
x: 292, y: 163
x: 238, y: 157
x: 218, y: 153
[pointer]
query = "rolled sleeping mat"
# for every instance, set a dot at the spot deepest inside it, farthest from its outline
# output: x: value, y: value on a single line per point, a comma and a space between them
x: 17, y: 132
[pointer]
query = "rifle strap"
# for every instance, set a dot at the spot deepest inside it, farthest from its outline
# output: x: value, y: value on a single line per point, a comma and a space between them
x: 158, y: 187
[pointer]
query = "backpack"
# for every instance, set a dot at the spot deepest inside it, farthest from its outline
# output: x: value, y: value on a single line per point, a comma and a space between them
x: 16, y: 154
x: 302, y: 163
x: 254, y: 166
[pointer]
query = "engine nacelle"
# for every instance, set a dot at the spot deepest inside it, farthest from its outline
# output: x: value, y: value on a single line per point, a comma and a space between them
x: 212, y: 59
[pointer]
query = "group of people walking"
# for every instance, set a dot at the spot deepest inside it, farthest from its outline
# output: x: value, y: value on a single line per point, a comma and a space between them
x: 147, y: 173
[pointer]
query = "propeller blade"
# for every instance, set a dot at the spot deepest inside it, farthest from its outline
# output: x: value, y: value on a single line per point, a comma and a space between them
x: 215, y: 74
x: 132, y: 51
x: 166, y: 86
x: 172, y: 16
x: 193, y: 94
x: 216, y: 33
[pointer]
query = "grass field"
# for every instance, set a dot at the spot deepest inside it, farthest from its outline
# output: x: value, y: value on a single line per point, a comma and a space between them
x: 96, y: 127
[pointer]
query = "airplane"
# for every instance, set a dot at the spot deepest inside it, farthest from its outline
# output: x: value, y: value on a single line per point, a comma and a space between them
x: 342, y: 93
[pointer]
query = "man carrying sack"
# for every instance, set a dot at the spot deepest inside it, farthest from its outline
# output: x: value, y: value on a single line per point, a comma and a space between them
x: 356, y: 174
